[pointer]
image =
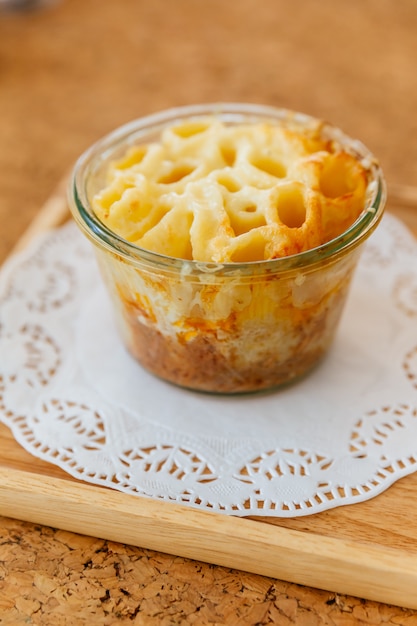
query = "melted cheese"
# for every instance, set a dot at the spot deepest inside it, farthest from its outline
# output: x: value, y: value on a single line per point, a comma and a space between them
x: 217, y: 193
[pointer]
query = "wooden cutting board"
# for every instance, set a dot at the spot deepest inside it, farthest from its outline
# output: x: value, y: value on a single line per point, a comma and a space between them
x: 367, y: 550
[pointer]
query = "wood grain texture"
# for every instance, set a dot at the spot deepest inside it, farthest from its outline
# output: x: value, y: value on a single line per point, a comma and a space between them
x: 351, y: 63
x: 362, y: 569
x: 56, y: 578
x: 72, y: 72
x: 366, y: 550
x: 53, y: 213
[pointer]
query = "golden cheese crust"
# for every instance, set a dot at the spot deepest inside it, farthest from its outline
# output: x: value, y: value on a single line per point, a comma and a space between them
x: 221, y: 193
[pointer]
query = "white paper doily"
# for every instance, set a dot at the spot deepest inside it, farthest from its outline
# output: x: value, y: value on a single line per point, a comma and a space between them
x: 73, y: 396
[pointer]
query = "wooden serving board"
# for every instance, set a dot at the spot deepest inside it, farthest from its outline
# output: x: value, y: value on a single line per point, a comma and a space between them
x: 367, y: 550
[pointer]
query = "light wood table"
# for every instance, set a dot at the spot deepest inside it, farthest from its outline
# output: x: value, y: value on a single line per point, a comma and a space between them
x: 75, y: 69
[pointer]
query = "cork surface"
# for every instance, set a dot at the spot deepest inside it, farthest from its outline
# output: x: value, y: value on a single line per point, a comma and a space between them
x: 55, y: 578
x: 72, y: 71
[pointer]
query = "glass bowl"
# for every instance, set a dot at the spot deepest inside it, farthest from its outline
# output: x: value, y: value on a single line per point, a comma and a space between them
x: 223, y: 328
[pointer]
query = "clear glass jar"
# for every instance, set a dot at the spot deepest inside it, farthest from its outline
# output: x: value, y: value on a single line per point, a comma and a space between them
x: 223, y: 328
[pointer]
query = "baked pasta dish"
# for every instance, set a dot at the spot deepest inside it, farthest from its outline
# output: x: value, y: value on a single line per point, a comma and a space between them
x: 232, y: 194
x: 214, y: 237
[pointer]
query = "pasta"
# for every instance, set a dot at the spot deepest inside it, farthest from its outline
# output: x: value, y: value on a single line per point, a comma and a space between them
x: 229, y: 200
x: 221, y: 193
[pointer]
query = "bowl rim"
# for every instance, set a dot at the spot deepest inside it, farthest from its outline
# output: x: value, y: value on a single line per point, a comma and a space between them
x: 328, y: 252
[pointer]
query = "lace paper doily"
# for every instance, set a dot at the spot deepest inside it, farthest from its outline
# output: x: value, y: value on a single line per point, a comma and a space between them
x: 73, y: 396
